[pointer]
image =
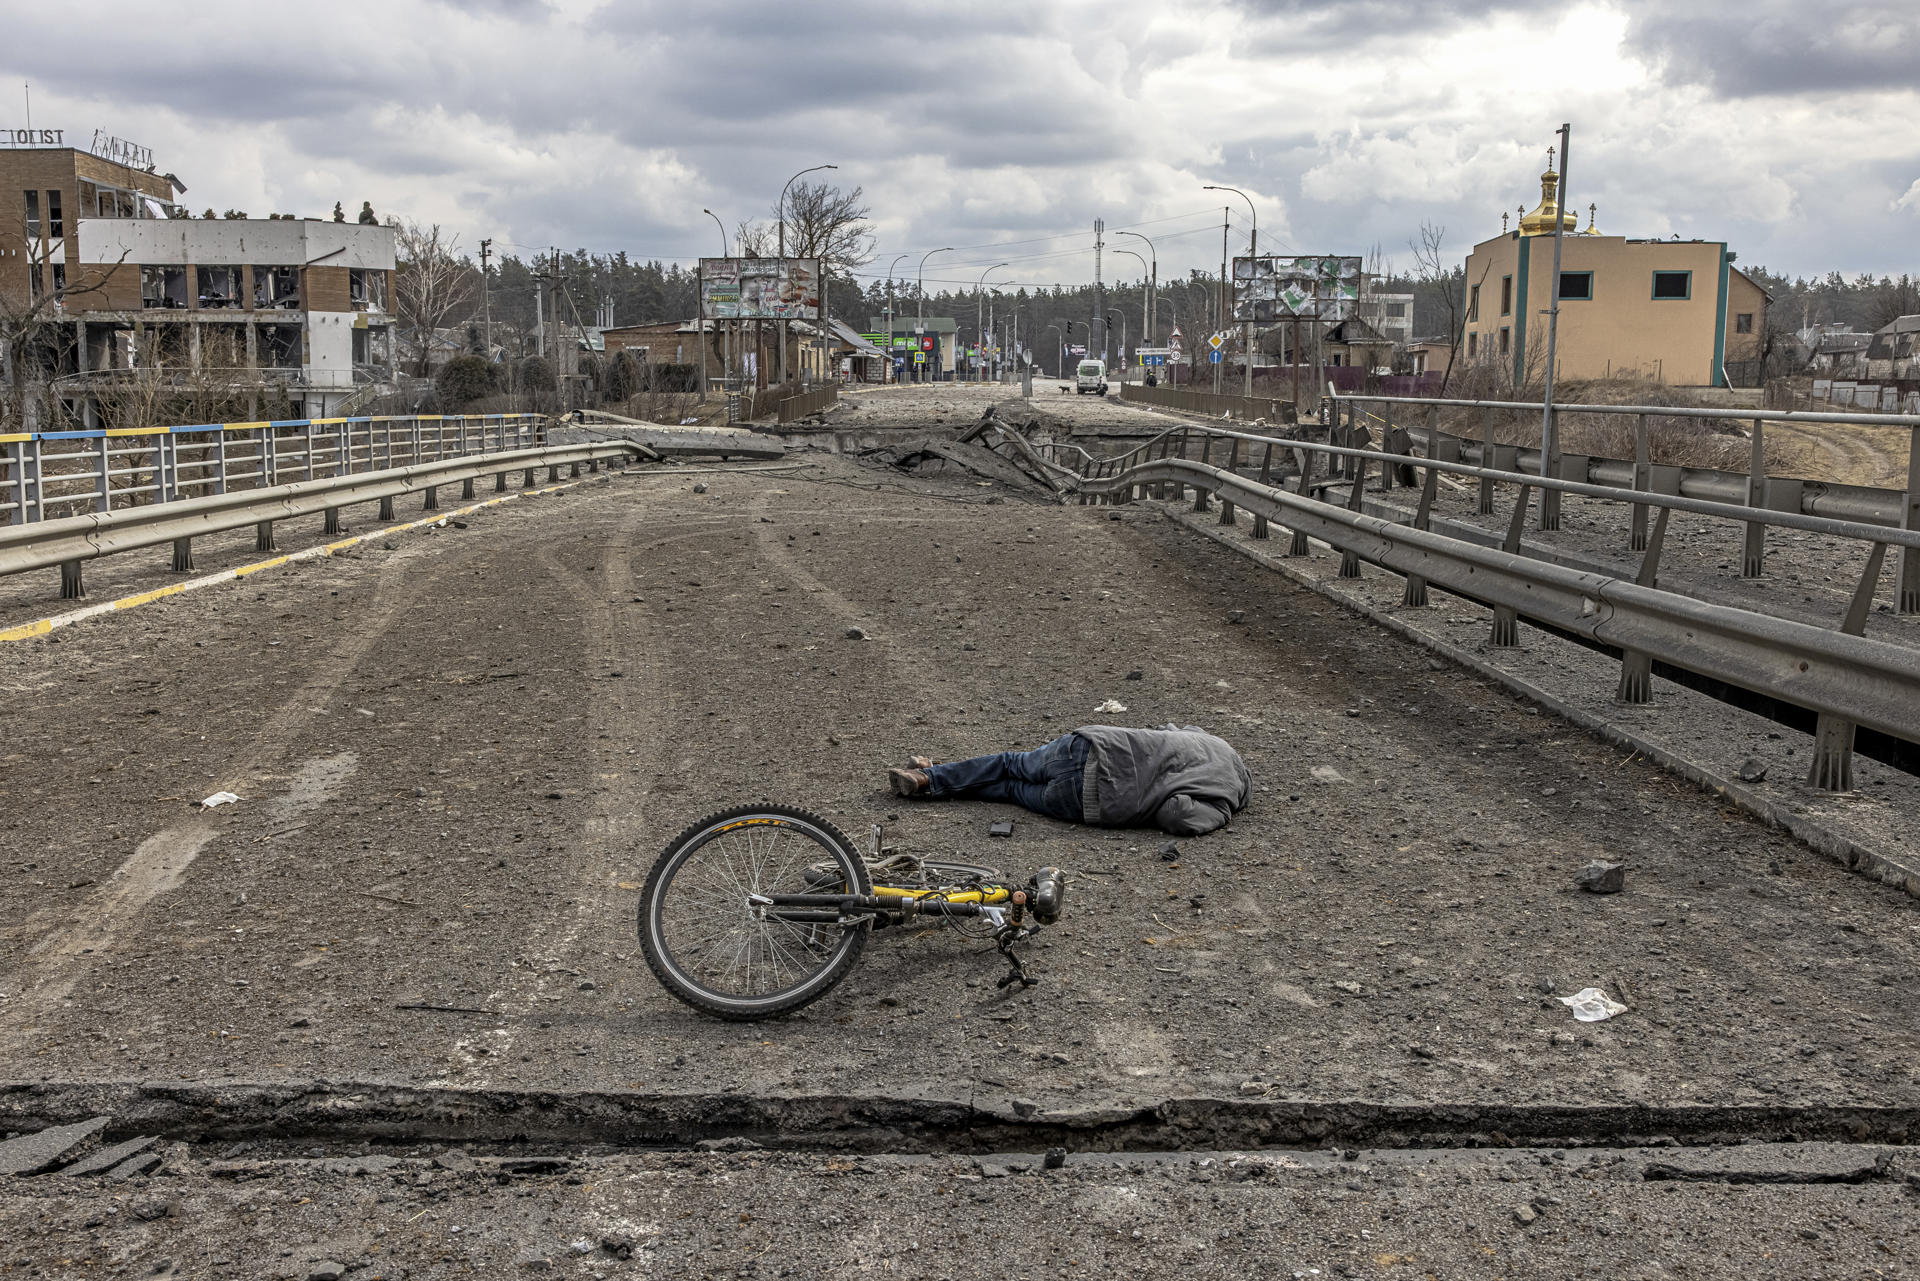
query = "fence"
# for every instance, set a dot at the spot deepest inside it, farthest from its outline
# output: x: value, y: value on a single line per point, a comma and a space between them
x: 1899, y: 509
x: 48, y: 475
x: 1205, y: 402
x: 771, y: 402
x: 1847, y: 681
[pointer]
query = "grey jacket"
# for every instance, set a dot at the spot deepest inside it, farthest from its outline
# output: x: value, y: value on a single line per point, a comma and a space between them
x: 1180, y: 779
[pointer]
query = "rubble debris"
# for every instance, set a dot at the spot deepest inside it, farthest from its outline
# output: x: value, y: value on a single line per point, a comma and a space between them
x: 1752, y: 771
x: 45, y: 1149
x: 106, y: 1158
x: 1599, y: 877
x: 1001, y: 829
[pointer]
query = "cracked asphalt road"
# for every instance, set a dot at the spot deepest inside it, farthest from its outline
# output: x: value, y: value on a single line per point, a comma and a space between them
x: 457, y: 759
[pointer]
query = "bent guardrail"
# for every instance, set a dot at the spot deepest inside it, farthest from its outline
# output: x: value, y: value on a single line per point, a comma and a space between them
x: 1842, y: 677
x: 71, y: 541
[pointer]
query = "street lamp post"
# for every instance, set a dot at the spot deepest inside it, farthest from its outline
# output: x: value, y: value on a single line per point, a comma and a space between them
x: 782, y: 211
x: 1151, y: 336
x: 1115, y: 311
x: 726, y: 335
x: 978, y: 327
x: 920, y: 287
x: 888, y: 372
x: 1145, y: 326
x: 1253, y: 251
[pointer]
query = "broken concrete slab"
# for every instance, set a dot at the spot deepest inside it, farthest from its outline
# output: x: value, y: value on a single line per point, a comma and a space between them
x: 106, y: 1158
x: 933, y: 455
x: 33, y: 1153
x: 1776, y: 1163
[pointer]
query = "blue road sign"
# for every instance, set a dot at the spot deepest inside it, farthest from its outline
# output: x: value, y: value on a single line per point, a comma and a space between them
x: 1213, y: 358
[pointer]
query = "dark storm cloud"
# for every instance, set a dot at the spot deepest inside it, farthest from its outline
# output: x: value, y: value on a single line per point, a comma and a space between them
x: 1769, y: 47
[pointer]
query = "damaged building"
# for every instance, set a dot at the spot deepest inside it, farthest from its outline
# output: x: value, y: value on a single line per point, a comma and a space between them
x: 128, y: 291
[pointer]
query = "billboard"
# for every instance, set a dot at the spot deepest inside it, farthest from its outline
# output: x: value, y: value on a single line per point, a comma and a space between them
x: 1310, y: 287
x: 759, y: 288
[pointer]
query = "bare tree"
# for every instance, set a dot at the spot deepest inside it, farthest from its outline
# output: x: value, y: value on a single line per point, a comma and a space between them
x: 755, y: 240
x: 34, y: 336
x: 827, y: 223
x: 1435, y: 277
x: 433, y: 284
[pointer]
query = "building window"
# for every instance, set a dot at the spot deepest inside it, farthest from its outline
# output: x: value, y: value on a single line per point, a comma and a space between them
x: 1473, y: 346
x: 163, y: 286
x: 367, y: 289
x: 59, y: 278
x: 1576, y: 285
x: 1743, y: 323
x: 218, y: 286
x: 1672, y: 285
x: 33, y: 215
x: 1473, y: 302
x: 36, y: 283
x: 1506, y: 295
x: 1506, y: 341
x: 56, y: 225
x: 276, y: 287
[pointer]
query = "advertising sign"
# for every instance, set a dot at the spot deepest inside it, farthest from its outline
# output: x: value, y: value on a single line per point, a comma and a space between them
x: 760, y: 289
x: 1312, y: 287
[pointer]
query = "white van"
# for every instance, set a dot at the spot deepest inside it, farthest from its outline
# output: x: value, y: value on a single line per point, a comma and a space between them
x: 1091, y: 377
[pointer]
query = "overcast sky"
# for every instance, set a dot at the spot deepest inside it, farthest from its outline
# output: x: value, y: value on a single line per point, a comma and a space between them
x: 1787, y: 129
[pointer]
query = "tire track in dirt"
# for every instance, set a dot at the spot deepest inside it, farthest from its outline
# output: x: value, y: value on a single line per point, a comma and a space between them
x: 632, y: 722
x: 1856, y: 454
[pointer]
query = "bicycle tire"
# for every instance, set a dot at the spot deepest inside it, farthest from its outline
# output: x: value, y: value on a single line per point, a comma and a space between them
x: 677, y: 969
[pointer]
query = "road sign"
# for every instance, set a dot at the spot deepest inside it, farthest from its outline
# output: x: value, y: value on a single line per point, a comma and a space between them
x: 1216, y: 341
x: 1213, y: 357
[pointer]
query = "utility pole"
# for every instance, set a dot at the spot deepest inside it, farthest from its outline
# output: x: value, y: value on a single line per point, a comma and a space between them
x: 486, y: 297
x: 1099, y: 321
x: 1549, y: 446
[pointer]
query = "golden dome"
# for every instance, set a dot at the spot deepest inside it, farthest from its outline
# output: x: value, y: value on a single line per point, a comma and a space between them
x: 1540, y: 221
x: 1591, y: 229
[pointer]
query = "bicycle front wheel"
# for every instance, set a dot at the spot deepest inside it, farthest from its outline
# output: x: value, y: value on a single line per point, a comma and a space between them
x: 711, y: 947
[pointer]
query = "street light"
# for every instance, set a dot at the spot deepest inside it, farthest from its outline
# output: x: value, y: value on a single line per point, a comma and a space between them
x: 1115, y: 311
x: 1253, y: 251
x: 920, y: 285
x: 979, y: 312
x: 1144, y: 327
x: 1153, y: 287
x: 726, y: 356
x: 782, y: 219
x: 890, y: 269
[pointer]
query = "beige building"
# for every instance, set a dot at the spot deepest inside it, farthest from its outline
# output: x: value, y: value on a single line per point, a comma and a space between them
x: 1673, y: 311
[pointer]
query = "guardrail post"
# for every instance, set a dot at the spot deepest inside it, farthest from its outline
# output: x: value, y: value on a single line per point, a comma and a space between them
x: 466, y: 490
x: 72, y: 585
x: 1299, y: 546
x: 386, y: 509
x: 1387, y: 445
x: 430, y: 501
x: 527, y: 481
x: 1642, y: 482
x: 1200, y: 502
x: 553, y: 473
x: 1506, y: 623
x: 1832, y: 766
x: 16, y: 455
x: 1909, y: 580
x: 1753, y: 554
x: 331, y: 525
x: 500, y: 482
x: 1486, y: 459
x: 1415, y: 595
x: 263, y: 536
x: 183, y: 555
x: 1356, y: 498
x: 1233, y: 462
x: 575, y: 471
x: 1636, y: 667
x: 1266, y: 471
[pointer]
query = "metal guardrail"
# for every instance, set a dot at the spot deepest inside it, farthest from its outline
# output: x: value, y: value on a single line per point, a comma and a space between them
x: 1244, y: 408
x: 47, y: 475
x: 71, y: 541
x: 1899, y: 509
x: 1840, y: 675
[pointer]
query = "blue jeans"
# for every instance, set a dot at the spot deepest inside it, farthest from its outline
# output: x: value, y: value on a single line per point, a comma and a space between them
x: 1045, y: 780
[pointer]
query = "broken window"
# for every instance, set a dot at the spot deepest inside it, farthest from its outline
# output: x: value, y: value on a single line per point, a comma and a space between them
x: 36, y: 282
x: 218, y: 286
x: 362, y: 347
x: 276, y: 287
x: 56, y: 225
x: 280, y: 347
x: 163, y: 286
x: 59, y: 277
x: 33, y: 215
x: 367, y: 289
